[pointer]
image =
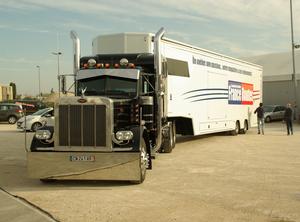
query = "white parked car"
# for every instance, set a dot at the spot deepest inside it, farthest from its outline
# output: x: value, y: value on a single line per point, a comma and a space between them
x: 37, y: 120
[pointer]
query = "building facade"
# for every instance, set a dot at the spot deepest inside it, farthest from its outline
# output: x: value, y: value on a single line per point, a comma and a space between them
x: 279, y: 86
x: 6, y: 93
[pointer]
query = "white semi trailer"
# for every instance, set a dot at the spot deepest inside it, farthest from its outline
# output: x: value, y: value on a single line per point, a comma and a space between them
x: 132, y: 97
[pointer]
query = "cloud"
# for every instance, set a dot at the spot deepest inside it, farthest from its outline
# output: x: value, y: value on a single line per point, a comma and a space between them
x: 23, y: 29
x: 233, y: 48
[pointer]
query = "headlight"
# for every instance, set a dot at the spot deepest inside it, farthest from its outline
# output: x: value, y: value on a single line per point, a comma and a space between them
x: 43, y: 134
x: 124, y: 135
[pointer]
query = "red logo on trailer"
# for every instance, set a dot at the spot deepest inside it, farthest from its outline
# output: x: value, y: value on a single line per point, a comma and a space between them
x: 247, y: 94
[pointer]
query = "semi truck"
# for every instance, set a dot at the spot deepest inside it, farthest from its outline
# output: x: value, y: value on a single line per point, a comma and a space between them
x: 132, y: 97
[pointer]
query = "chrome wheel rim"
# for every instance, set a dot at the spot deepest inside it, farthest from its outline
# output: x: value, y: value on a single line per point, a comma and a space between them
x: 144, y: 160
x: 12, y: 120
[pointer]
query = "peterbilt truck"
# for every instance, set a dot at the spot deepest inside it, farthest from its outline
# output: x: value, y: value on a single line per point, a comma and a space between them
x: 132, y: 96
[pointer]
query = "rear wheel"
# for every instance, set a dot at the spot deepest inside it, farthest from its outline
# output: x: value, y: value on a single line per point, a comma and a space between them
x: 245, y: 129
x: 12, y: 120
x: 174, y: 134
x: 236, y: 130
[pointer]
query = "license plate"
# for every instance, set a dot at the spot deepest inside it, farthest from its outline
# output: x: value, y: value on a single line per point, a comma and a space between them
x: 82, y: 158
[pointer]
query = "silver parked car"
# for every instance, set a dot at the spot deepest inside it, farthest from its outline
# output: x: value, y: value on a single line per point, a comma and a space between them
x: 274, y: 112
x: 37, y: 120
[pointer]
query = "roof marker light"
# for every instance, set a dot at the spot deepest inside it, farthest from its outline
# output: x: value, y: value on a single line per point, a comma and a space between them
x: 92, y: 62
x: 131, y: 65
x: 124, y: 62
x: 100, y: 65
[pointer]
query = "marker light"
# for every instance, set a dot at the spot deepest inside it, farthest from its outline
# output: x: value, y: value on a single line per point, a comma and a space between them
x: 100, y: 65
x: 107, y: 65
x: 131, y: 65
x: 85, y: 65
x: 92, y: 62
x: 124, y: 62
x: 117, y: 66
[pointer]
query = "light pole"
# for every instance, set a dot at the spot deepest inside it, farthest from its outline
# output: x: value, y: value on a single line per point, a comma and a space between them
x: 58, y: 71
x: 39, y: 78
x: 293, y: 61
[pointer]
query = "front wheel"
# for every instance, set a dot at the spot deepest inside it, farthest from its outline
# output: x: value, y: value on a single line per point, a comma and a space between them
x: 12, y: 120
x: 268, y: 119
x: 143, y: 162
x: 36, y: 126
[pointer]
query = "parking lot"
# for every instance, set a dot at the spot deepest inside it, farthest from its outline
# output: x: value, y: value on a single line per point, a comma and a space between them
x: 209, y: 178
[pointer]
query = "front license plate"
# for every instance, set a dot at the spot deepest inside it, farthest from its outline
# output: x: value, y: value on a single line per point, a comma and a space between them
x: 82, y: 158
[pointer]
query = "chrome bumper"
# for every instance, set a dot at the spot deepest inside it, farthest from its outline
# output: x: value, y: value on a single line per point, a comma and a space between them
x: 84, y: 166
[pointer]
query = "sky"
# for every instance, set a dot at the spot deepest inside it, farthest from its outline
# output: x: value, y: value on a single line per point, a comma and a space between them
x: 30, y: 30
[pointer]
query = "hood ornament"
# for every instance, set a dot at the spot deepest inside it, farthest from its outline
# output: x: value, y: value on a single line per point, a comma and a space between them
x: 82, y: 99
x: 83, y: 91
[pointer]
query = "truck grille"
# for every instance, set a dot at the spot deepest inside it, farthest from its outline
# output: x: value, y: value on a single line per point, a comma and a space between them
x: 82, y: 125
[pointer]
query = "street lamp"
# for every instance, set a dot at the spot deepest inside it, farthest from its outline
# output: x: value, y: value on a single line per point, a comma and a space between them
x: 293, y: 60
x: 39, y: 78
x: 58, y: 71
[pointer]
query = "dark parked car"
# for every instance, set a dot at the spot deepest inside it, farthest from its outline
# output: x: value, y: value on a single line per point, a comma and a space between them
x: 10, y: 112
x: 274, y: 112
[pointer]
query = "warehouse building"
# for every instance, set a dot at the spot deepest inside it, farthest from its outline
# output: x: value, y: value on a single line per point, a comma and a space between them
x: 6, y: 93
x: 278, y: 82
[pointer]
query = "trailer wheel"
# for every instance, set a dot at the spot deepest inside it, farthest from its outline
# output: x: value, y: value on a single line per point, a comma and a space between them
x: 244, y: 130
x: 144, y: 158
x: 168, y: 142
x: 174, y: 134
x: 236, y: 130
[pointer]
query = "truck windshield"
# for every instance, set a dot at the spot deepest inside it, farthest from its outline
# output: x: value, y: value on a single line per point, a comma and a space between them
x: 108, y: 86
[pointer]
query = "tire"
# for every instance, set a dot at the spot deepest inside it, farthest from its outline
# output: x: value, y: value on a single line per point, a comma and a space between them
x: 12, y: 120
x: 36, y: 126
x: 245, y: 129
x: 168, y: 143
x: 236, y: 130
x: 144, y: 158
x: 268, y: 119
x: 174, y: 134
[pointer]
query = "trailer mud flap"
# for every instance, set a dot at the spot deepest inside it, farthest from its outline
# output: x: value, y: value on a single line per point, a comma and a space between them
x: 84, y: 166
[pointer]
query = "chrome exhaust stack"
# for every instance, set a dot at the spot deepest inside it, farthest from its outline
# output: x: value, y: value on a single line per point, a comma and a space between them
x: 76, y: 56
x: 158, y: 68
